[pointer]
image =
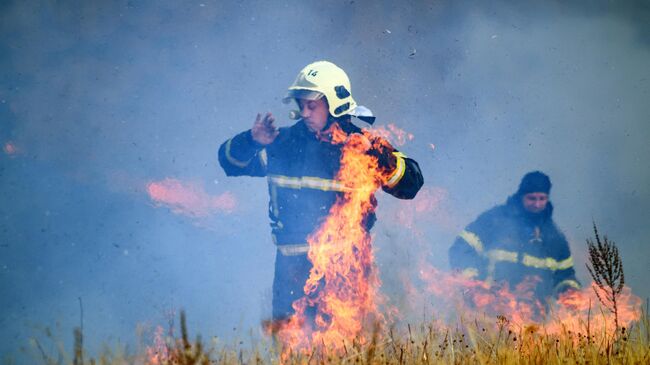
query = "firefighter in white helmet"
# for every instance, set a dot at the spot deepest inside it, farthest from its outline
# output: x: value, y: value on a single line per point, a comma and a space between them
x: 300, y: 163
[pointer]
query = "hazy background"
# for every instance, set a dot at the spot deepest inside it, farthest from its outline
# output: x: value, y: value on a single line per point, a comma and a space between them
x: 99, y: 100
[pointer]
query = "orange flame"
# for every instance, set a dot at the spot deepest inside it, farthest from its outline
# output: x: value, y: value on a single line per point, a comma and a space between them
x: 577, y: 311
x: 189, y: 198
x: 343, y: 283
x: 455, y: 290
x: 580, y: 311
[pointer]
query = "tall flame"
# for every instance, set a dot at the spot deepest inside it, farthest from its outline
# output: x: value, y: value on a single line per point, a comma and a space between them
x: 343, y: 284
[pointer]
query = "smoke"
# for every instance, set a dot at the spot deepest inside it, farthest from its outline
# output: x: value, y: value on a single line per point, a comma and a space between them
x: 98, y: 99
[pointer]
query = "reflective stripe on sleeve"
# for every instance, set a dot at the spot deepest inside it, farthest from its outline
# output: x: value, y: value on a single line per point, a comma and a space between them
x: 472, y: 239
x: 233, y: 160
x: 400, y: 169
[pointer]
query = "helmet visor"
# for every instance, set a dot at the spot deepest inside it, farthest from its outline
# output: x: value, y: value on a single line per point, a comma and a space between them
x: 301, y: 94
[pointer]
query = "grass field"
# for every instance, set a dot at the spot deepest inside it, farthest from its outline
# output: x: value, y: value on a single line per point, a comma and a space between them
x: 483, y: 340
x: 473, y: 323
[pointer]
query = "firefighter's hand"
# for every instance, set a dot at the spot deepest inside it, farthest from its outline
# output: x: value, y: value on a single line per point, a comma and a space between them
x: 263, y: 131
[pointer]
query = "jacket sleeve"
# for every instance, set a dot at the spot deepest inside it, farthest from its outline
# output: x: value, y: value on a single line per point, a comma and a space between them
x: 564, y: 276
x: 405, y: 178
x: 241, y: 155
x: 466, y: 255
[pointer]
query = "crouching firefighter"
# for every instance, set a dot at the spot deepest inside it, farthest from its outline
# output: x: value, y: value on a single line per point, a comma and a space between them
x: 518, y: 244
x: 300, y: 163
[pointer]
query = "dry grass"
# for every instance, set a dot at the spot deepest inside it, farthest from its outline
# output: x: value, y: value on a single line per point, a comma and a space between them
x: 485, y: 341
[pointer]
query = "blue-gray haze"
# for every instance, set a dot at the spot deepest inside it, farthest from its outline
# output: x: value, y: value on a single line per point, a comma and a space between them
x: 99, y: 98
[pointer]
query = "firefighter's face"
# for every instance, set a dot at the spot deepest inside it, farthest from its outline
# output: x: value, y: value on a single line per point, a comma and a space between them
x: 314, y: 113
x: 535, y: 202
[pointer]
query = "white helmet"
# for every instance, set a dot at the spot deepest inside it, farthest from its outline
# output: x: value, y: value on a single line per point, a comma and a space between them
x: 323, y: 78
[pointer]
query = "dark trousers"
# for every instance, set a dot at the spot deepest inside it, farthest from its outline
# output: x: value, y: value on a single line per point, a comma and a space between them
x: 291, y: 273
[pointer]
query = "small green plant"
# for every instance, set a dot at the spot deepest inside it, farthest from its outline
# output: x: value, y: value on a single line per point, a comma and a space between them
x: 606, y: 269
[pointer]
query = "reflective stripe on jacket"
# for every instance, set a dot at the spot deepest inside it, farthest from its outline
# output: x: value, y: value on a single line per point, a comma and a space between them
x: 508, y: 244
x: 301, y: 170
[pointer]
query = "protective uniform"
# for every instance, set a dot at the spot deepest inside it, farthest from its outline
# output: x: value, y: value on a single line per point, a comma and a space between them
x: 300, y: 167
x: 509, y: 244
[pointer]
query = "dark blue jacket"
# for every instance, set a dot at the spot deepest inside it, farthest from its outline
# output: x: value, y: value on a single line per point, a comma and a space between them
x: 300, y: 169
x: 509, y: 244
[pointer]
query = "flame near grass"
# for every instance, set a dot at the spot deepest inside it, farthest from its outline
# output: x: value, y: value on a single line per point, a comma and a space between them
x: 473, y: 339
x: 575, y: 311
x: 343, y: 285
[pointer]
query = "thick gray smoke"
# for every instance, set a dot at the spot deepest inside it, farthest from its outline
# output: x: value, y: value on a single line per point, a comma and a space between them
x: 111, y: 114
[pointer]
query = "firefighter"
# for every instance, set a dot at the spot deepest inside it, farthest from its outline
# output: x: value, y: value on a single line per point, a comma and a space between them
x: 300, y: 163
x: 518, y: 242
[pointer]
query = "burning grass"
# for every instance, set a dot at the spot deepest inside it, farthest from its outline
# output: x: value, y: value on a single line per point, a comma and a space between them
x: 482, y: 340
x: 354, y: 324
